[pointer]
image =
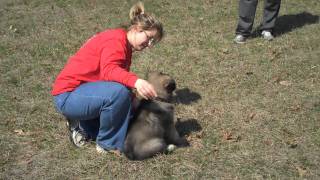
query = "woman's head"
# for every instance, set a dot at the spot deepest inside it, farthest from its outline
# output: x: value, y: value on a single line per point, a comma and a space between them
x: 145, y: 30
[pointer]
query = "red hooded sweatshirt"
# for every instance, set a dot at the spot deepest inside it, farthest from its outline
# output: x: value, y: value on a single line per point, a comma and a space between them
x: 106, y: 56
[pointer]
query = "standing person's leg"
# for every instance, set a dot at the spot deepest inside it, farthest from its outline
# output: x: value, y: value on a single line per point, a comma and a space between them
x: 247, y: 11
x: 108, y: 101
x: 270, y: 14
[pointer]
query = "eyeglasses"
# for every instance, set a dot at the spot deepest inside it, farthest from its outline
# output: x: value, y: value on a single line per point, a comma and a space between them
x: 151, y: 40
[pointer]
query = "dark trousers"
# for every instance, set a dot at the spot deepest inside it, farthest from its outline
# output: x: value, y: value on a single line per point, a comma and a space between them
x: 247, y: 11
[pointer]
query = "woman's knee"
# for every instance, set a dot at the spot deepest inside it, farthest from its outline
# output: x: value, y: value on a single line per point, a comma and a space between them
x: 121, y: 92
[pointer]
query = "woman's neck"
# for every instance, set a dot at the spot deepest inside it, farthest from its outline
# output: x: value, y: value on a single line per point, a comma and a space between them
x: 130, y: 39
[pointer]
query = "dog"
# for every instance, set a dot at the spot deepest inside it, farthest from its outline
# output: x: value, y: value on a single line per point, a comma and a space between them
x: 152, y: 130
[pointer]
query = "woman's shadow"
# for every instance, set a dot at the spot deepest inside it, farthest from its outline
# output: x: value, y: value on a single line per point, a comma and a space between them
x: 288, y: 23
x: 186, y: 97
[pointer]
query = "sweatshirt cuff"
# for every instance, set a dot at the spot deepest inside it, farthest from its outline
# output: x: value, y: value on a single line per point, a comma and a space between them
x: 132, y: 81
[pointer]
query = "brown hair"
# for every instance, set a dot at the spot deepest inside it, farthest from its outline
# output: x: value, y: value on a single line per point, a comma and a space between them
x: 139, y: 18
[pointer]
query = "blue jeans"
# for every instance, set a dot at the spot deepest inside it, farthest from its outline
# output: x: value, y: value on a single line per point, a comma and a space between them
x: 103, y: 109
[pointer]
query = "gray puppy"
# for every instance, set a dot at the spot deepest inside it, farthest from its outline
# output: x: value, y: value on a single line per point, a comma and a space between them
x: 152, y: 128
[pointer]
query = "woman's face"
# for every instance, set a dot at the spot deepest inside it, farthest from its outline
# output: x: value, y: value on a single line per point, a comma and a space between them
x: 140, y: 39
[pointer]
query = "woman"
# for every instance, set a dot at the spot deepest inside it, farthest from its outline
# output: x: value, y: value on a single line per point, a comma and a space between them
x: 92, y: 90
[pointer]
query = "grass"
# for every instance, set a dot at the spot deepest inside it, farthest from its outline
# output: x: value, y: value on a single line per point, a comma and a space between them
x: 250, y: 111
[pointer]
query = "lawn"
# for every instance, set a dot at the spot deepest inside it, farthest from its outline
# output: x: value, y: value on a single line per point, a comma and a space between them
x: 249, y: 111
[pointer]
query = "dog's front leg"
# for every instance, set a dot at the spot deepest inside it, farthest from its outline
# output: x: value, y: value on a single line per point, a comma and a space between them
x: 173, y: 137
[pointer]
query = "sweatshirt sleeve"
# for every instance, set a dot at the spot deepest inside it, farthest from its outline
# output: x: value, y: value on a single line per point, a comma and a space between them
x: 114, y: 64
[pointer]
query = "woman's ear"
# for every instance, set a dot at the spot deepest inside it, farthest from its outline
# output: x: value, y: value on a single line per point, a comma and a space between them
x: 135, y: 28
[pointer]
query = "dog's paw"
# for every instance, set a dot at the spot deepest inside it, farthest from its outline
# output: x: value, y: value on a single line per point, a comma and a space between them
x: 171, y: 148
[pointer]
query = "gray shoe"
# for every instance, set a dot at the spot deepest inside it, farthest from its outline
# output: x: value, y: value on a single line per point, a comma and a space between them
x: 239, y: 39
x: 72, y: 124
x: 267, y: 35
x: 76, y: 135
x: 78, y: 138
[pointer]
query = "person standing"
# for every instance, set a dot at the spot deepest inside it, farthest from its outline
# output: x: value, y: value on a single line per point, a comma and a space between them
x: 247, y: 11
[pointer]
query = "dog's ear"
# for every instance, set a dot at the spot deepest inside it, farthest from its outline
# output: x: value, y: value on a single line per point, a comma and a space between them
x: 170, y: 85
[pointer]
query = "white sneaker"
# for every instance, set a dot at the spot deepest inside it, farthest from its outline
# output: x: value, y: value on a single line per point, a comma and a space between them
x: 100, y: 150
x: 239, y: 39
x: 267, y: 35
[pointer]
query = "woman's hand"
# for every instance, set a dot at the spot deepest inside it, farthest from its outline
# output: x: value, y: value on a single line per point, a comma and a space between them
x: 145, y: 89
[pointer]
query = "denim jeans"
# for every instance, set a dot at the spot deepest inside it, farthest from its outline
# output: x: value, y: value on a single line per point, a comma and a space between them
x: 103, y: 109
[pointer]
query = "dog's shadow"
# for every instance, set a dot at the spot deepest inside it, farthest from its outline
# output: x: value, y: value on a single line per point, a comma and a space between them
x: 288, y: 23
x: 186, y: 126
x: 185, y: 96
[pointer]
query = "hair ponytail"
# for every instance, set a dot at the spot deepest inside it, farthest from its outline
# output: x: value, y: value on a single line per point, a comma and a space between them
x: 136, y: 10
x: 140, y: 19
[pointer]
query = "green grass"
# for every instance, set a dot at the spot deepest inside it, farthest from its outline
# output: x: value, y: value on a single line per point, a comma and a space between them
x: 250, y: 111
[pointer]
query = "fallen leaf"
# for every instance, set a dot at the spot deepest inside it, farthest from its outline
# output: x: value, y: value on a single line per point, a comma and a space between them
x: 249, y: 73
x: 275, y: 79
x: 29, y: 161
x: 199, y: 134
x: 115, y: 152
x: 285, y: 83
x: 295, y: 107
x: 227, y: 136
x: 19, y: 132
x: 293, y: 144
x: 252, y: 115
x: 195, y: 140
x: 268, y: 142
x: 197, y: 144
x: 225, y: 50
x: 302, y: 171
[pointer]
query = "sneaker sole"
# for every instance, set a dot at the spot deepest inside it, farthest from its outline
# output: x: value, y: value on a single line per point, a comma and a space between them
x: 100, y: 150
x: 239, y: 42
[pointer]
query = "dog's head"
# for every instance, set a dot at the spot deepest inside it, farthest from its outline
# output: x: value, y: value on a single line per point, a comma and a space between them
x: 163, y: 84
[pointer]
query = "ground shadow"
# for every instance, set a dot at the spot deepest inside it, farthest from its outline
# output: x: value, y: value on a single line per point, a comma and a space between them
x: 288, y: 23
x: 185, y: 127
x: 185, y: 96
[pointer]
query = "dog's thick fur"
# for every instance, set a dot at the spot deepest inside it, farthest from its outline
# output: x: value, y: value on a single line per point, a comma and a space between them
x: 152, y: 129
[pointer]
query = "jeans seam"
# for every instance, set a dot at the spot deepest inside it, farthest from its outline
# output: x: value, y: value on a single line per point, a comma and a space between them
x: 57, y: 102
x: 90, y: 96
